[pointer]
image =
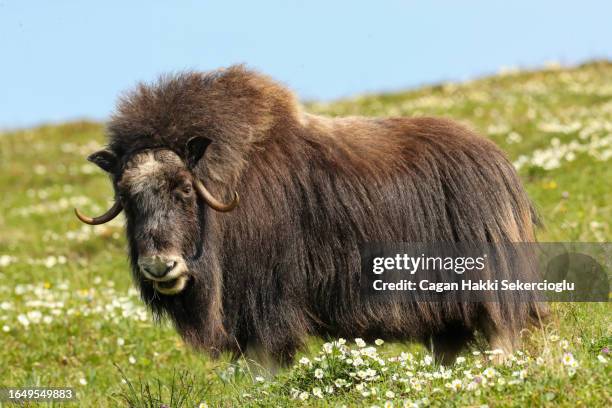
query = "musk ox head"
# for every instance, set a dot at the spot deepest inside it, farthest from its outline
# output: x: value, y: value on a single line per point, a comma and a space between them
x: 161, y: 199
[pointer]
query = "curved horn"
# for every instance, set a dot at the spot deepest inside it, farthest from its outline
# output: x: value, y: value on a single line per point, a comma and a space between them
x: 212, y: 201
x: 106, y: 217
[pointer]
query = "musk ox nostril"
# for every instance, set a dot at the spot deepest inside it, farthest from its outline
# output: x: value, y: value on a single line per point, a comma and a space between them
x: 156, y: 267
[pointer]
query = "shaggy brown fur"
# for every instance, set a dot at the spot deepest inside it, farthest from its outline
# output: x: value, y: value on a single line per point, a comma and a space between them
x: 284, y: 264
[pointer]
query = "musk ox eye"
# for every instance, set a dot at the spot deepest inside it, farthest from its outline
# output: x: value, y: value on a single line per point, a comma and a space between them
x: 184, y: 191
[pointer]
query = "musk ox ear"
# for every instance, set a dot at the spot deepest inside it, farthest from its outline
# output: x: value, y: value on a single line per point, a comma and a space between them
x: 105, y: 159
x: 195, y: 149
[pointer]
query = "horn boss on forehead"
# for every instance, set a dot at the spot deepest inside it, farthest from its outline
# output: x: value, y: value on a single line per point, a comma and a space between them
x: 195, y: 149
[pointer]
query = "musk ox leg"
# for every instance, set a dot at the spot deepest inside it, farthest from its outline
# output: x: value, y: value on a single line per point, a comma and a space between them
x: 504, y: 333
x: 260, y: 362
x: 501, y: 340
x: 507, y: 339
x: 446, y: 345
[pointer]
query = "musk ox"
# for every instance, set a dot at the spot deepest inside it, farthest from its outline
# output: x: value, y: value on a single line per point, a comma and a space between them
x: 244, y: 214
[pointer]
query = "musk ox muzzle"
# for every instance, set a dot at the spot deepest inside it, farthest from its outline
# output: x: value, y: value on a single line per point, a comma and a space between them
x: 168, y: 273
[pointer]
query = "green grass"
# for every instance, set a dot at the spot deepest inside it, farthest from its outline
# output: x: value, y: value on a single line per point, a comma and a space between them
x: 69, y: 318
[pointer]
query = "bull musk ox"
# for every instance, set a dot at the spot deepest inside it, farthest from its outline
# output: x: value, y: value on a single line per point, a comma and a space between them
x: 244, y: 214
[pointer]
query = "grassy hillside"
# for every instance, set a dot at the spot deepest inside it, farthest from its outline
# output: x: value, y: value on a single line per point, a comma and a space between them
x: 69, y: 316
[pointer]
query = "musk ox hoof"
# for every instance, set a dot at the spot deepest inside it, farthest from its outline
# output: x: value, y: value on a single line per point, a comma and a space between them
x: 260, y: 363
x: 499, y: 356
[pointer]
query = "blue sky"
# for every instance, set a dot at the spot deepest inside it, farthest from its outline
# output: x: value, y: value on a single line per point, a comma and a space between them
x: 63, y: 60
